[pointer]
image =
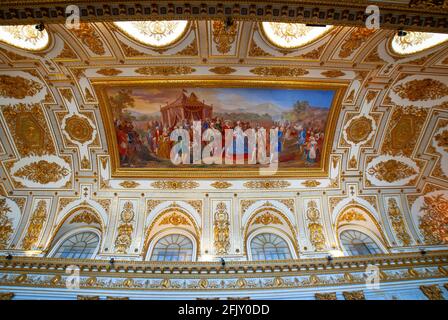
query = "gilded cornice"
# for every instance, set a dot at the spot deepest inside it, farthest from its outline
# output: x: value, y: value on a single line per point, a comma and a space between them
x: 432, y: 17
x: 49, y: 272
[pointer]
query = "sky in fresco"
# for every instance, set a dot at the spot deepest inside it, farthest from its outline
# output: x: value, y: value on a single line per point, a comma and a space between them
x: 149, y: 100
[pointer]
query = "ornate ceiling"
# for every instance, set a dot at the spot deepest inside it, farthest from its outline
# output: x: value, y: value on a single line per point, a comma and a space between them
x: 390, y: 137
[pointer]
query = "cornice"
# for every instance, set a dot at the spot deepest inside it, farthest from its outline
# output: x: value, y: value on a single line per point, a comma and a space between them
x: 149, y: 276
x: 306, y: 266
x: 418, y: 15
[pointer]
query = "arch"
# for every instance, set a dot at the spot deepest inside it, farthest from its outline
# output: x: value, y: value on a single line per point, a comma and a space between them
x: 360, y: 219
x: 256, y: 206
x: 180, y: 205
x: 269, y: 230
x: 355, y: 201
x: 364, y: 231
x: 169, y: 231
x: 291, y: 236
x: 83, y: 203
x: 149, y: 239
x: 71, y: 233
x: 56, y: 235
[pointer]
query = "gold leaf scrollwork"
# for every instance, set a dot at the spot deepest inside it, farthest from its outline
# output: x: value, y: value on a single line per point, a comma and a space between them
x: 175, y: 219
x: 221, y: 229
x: 36, y: 225
x: 224, y: 36
x: 354, y: 295
x: 42, y: 172
x: 267, y: 218
x: 124, y: 236
x: 222, y: 70
x: 279, y: 71
x: 351, y: 215
x: 391, y: 171
x: 434, y: 221
x: 85, y: 217
x: 317, y: 237
x: 432, y: 292
x: 359, y: 129
x: 333, y: 73
x: 266, y: 184
x: 165, y: 70
x: 326, y: 296
x: 311, y: 183
x: 174, y: 185
x: 6, y: 296
x: 18, y: 87
x: 424, y: 89
x: 89, y: 37
x: 398, y: 223
x: 6, y: 228
x: 78, y: 129
x: 129, y: 184
x: 109, y: 72
x: 221, y: 184
x: 354, y: 41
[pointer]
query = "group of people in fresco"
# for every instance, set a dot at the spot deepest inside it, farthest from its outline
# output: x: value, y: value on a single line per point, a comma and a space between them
x: 150, y: 140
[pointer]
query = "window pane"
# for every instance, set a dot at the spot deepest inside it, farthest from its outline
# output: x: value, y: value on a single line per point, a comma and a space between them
x: 358, y: 243
x: 173, y: 247
x: 268, y: 246
x: 79, y: 246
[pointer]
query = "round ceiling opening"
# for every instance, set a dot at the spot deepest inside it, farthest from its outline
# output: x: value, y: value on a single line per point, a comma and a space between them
x: 292, y: 35
x: 160, y: 33
x: 414, y: 42
x: 24, y: 37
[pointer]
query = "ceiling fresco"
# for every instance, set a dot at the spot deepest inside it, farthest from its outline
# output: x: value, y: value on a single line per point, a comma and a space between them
x: 385, y: 158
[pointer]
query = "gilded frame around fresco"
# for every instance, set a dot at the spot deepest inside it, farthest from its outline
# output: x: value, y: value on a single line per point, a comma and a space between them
x: 218, y: 173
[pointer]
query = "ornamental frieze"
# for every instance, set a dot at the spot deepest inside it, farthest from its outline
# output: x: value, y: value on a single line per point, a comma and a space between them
x: 165, y: 70
x: 174, y: 184
x: 279, y: 71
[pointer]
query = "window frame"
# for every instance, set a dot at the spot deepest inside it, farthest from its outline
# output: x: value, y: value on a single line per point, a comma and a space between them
x: 270, y: 230
x: 72, y: 233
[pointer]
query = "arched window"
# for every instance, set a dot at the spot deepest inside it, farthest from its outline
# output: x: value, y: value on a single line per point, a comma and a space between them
x: 358, y: 243
x: 268, y: 246
x: 173, y: 247
x: 78, y: 246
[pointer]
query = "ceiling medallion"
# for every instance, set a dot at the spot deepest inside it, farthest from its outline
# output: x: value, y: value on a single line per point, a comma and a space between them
x: 24, y: 37
x: 414, y: 42
x: 292, y: 35
x: 157, y: 34
x: 359, y: 129
x: 79, y: 129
